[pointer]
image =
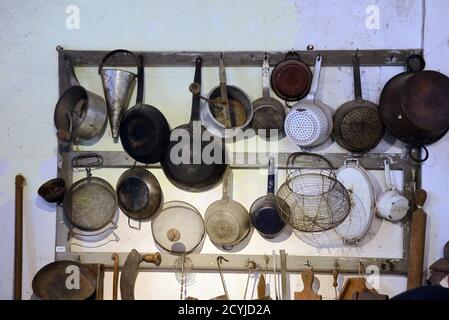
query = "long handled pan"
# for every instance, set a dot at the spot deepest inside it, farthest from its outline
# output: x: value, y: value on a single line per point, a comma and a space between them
x: 358, y: 126
x: 269, y: 113
x: 18, y: 245
x: 266, y: 216
x: 192, y: 171
x: 144, y: 131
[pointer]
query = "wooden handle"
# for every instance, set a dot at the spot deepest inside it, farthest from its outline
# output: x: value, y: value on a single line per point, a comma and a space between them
x: 154, y: 258
x: 420, y: 198
x: 116, y: 259
x: 261, y: 287
x: 417, y: 243
x: 307, y: 293
x: 18, y: 243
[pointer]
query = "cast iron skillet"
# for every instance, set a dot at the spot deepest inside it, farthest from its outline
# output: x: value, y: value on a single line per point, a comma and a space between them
x: 358, y: 126
x: 195, y: 175
x: 144, y: 131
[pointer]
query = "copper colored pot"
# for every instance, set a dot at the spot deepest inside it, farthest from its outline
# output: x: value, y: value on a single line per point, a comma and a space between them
x: 291, y: 78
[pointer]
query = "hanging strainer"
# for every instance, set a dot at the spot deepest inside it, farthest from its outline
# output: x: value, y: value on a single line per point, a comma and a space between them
x: 317, y: 201
x: 309, y: 122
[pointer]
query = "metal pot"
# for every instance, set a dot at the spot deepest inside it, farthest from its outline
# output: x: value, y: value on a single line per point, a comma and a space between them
x: 291, y: 78
x: 209, y: 112
x: 266, y: 214
x: 81, y: 113
x: 139, y: 194
x: 414, y: 106
x: 227, y: 221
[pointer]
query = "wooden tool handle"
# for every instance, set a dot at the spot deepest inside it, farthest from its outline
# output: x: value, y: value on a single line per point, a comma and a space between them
x: 116, y: 259
x: 153, y: 258
x: 417, y: 243
x: 18, y: 243
x: 261, y: 287
x: 307, y: 293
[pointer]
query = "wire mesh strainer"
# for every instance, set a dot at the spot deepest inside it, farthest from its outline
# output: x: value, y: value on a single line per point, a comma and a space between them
x: 317, y: 201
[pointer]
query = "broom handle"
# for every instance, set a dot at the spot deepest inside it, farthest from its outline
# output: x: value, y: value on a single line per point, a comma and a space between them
x: 18, y: 245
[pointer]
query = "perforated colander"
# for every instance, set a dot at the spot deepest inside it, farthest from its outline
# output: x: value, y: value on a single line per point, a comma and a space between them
x: 309, y: 123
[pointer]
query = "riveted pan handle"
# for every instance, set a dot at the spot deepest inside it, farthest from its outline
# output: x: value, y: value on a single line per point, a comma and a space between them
x: 227, y: 182
x: 315, y: 79
x: 195, y: 113
x: 357, y: 81
x: 266, y: 77
x: 271, y: 172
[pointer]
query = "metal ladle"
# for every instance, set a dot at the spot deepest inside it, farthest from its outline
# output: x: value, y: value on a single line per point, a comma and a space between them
x: 195, y: 88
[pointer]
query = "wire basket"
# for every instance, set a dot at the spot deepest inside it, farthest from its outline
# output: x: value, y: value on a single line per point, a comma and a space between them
x: 317, y: 201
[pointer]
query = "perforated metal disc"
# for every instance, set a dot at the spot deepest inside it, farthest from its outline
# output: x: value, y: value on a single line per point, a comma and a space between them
x: 307, y: 124
x: 362, y: 128
x: 179, y: 228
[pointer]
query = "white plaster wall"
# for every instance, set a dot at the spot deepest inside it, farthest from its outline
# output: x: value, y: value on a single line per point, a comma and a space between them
x: 31, y: 30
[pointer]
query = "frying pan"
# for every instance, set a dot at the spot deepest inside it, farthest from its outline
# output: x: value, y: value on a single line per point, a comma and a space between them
x: 414, y: 106
x: 358, y: 126
x: 227, y: 221
x: 195, y: 173
x: 90, y: 203
x: 139, y: 194
x: 144, y: 131
x: 265, y: 214
x: 309, y: 122
x: 291, y: 78
x: 50, y: 282
x: 269, y: 113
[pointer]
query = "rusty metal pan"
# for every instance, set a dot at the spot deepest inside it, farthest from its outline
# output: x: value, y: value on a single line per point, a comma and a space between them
x: 53, y: 281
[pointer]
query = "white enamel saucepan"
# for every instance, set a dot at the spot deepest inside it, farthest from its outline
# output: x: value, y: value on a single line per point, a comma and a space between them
x: 391, y: 204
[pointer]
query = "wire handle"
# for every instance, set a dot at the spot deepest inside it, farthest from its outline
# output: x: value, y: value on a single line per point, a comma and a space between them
x: 291, y: 170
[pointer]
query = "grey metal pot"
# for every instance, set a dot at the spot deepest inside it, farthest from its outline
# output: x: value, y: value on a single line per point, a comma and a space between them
x: 233, y: 93
x: 79, y: 113
x: 139, y: 194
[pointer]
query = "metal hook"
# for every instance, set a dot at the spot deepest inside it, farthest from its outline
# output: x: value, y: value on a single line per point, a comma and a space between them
x: 220, y: 260
x: 308, y: 265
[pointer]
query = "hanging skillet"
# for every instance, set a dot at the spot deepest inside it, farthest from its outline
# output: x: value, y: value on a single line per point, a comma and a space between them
x: 358, y: 126
x: 291, y: 78
x: 144, y: 131
x: 195, y: 173
x: 139, y: 194
x: 414, y: 105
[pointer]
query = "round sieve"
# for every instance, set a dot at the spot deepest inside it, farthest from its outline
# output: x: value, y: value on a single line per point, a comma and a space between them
x: 90, y: 203
x: 179, y: 228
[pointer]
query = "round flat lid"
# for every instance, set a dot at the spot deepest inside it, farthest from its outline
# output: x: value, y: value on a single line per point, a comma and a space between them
x: 223, y: 228
x: 425, y: 100
x: 362, y: 128
x: 50, y: 282
x: 291, y: 80
x: 90, y: 203
x: 179, y: 228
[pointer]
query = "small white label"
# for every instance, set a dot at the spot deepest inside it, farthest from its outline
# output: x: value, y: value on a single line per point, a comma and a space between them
x: 60, y: 249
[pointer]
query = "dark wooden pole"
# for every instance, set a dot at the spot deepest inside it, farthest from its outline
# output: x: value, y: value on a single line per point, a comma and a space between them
x: 20, y: 182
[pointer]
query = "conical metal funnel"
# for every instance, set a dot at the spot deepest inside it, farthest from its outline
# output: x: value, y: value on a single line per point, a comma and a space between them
x: 118, y: 87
